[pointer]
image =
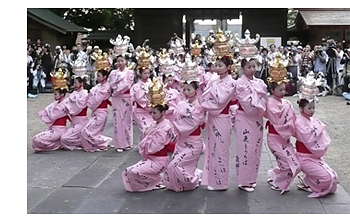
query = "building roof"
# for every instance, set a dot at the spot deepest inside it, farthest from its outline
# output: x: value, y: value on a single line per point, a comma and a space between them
x: 327, y: 17
x: 51, y: 20
x: 107, y: 34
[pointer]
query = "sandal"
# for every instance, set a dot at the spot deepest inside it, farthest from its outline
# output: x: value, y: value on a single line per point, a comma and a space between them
x: 246, y: 188
x: 304, y: 188
x: 253, y: 184
x: 159, y: 186
x: 213, y: 189
x: 119, y: 150
x: 270, y: 181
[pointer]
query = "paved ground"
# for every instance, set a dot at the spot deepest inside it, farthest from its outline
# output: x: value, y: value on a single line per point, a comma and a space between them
x: 79, y: 182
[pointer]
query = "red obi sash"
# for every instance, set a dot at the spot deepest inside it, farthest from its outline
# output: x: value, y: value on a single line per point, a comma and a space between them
x: 127, y: 92
x: 164, y: 152
x: 137, y: 105
x: 104, y: 104
x: 61, y: 121
x: 83, y: 112
x: 271, y: 128
x: 301, y: 148
x: 196, y: 132
x: 240, y: 107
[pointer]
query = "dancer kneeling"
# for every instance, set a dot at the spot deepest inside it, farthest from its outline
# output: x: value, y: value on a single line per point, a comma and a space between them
x: 156, y: 141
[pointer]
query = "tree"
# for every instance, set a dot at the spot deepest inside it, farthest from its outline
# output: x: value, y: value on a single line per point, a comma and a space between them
x: 98, y: 19
x: 291, y: 16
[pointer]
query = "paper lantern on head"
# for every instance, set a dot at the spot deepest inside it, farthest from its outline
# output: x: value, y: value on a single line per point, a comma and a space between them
x: 277, y: 70
x: 155, y: 94
x: 59, y: 80
x: 120, y: 44
x: 189, y: 71
x: 308, y: 88
x: 247, y: 49
x: 166, y: 67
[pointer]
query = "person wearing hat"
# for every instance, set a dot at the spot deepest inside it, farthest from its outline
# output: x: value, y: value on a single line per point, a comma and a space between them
x: 141, y: 111
x: 320, y: 60
x: 121, y: 81
x: 251, y: 94
x: 157, y: 141
x: 54, y: 116
x: 182, y: 173
x: 306, y: 60
x: 281, y: 126
x: 76, y: 104
x: 216, y: 100
x: 312, y: 143
x: 97, y: 100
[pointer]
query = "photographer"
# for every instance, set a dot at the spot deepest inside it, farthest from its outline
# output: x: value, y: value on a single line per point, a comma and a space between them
x: 294, y: 63
x: 60, y: 58
x: 39, y: 78
x: 306, y: 62
x: 332, y: 74
x: 319, y: 58
x: 345, y: 61
x: 46, y: 61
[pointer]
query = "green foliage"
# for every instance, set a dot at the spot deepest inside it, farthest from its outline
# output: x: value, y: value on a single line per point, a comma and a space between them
x: 98, y: 19
x: 291, y: 16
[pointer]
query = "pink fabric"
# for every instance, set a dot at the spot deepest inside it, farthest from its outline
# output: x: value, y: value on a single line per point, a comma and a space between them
x: 142, y: 115
x: 214, y: 99
x: 147, y: 173
x: 172, y: 97
x: 252, y: 96
x: 50, y: 139
x: 121, y: 81
x: 282, y: 116
x: 182, y: 173
x: 232, y: 112
x: 91, y: 135
x: 75, y: 103
x: 318, y: 175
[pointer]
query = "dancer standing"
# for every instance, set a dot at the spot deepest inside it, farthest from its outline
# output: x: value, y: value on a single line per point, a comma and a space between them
x: 121, y: 81
x: 281, y: 124
x: 182, y: 173
x: 156, y: 142
x: 54, y: 116
x: 97, y: 101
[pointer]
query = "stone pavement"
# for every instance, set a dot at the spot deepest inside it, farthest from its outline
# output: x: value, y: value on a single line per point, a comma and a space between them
x: 77, y: 182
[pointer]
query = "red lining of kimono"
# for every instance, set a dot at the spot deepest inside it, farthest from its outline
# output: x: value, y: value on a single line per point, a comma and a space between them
x: 301, y: 148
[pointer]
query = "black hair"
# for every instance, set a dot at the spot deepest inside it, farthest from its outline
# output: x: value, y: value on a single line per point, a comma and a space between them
x: 264, y: 49
x: 302, y: 103
x: 210, y: 64
x: 164, y: 77
x: 272, y: 45
x: 122, y: 56
x: 104, y: 72
x: 273, y: 85
x: 194, y: 84
x: 226, y: 60
x: 161, y: 108
x: 245, y: 61
x: 79, y: 79
x: 61, y: 91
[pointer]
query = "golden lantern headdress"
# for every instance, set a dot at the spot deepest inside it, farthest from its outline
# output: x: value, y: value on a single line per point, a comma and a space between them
x: 221, y: 46
x: 59, y: 80
x: 189, y: 71
x: 196, y: 49
x: 308, y: 88
x: 120, y: 44
x: 101, y: 61
x: 247, y: 48
x: 277, y: 70
x: 155, y: 94
x: 143, y: 61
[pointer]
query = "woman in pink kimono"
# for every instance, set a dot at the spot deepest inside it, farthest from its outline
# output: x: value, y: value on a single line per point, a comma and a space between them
x: 216, y: 100
x: 182, y: 173
x: 252, y: 98
x: 76, y: 105
x: 146, y: 175
x: 311, y: 145
x: 91, y: 135
x: 121, y: 81
x: 172, y: 96
x: 55, y: 117
x: 281, y: 126
x: 139, y: 90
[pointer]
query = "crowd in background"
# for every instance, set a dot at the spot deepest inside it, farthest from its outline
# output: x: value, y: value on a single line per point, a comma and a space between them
x: 328, y: 61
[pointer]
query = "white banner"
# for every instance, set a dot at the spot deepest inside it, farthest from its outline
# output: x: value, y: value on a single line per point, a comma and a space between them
x: 267, y: 41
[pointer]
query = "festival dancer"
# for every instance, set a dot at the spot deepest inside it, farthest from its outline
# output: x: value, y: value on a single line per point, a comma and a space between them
x: 76, y: 105
x: 54, y: 116
x: 121, y: 81
x: 216, y: 100
x: 312, y: 144
x: 91, y: 135
x: 281, y: 126
x: 172, y: 96
x: 251, y: 94
x: 182, y: 173
x: 139, y: 91
x: 156, y: 142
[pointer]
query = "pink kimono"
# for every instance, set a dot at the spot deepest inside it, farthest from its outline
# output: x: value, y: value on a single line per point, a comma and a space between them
x: 55, y: 117
x: 203, y: 79
x: 281, y: 116
x: 177, y: 79
x: 182, y: 173
x: 312, y: 144
x: 216, y: 100
x: 121, y: 82
x: 97, y: 101
x: 147, y: 173
x: 173, y: 97
x: 76, y: 105
x: 252, y: 100
x: 141, y: 112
